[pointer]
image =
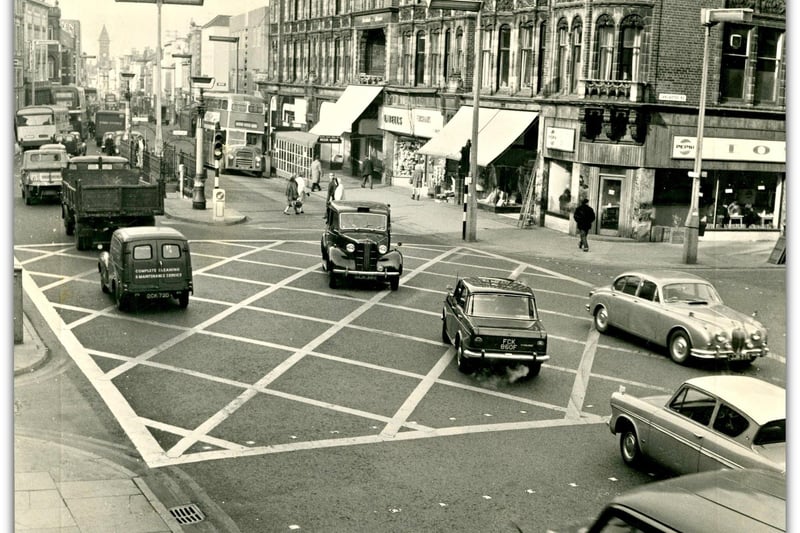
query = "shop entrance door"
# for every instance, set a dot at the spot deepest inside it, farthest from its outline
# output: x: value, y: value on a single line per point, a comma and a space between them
x: 608, y: 208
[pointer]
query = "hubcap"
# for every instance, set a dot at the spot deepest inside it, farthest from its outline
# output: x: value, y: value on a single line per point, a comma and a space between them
x: 680, y: 347
x: 602, y: 317
x: 629, y: 446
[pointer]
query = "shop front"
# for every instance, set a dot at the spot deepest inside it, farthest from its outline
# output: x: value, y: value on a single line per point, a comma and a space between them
x: 348, y: 129
x: 507, y: 141
x: 406, y: 130
x: 293, y: 153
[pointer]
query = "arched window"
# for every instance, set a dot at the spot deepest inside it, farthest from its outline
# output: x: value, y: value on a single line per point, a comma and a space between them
x: 459, y: 65
x: 577, y: 60
x: 542, y: 54
x: 419, y: 63
x: 560, y: 72
x: 486, y: 73
x: 605, y: 48
x: 435, y: 58
x: 503, y: 56
x: 630, y: 51
x: 526, y: 55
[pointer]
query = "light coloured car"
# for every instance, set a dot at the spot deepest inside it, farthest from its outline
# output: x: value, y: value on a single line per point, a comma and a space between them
x: 681, y: 312
x: 56, y: 147
x: 711, y: 502
x: 710, y: 422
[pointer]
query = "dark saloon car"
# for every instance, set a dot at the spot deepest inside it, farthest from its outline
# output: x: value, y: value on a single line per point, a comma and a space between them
x: 494, y: 320
x: 722, y: 501
x: 357, y: 244
x: 680, y: 311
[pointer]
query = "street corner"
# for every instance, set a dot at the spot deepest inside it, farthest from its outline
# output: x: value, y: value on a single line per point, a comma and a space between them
x: 30, y: 354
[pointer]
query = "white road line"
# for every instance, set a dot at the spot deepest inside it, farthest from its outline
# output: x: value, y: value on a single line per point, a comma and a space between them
x: 581, y: 383
x: 417, y: 395
x: 67, y: 279
x: 551, y: 273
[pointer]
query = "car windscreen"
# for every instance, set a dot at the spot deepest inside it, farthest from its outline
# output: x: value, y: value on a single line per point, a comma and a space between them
x: 503, y: 306
x: 691, y: 292
x: 365, y: 221
x: 44, y: 119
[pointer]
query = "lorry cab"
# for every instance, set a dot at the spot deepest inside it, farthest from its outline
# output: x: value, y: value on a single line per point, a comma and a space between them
x: 146, y: 262
x: 41, y: 174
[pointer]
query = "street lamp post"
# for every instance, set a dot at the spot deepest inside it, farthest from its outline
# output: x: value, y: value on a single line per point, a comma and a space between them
x: 127, y: 76
x: 471, y: 205
x: 708, y: 18
x: 157, y: 149
x: 199, y: 187
x: 226, y: 39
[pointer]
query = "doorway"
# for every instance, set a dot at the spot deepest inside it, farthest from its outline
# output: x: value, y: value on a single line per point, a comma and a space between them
x: 609, y: 205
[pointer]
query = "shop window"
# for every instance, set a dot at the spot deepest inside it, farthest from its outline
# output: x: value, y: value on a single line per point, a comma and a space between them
x: 735, y: 48
x: 577, y: 41
x: 768, y: 64
x: 605, y: 48
x: 562, y: 48
x: 503, y: 56
x: 526, y: 56
x: 560, y: 200
x: 419, y: 62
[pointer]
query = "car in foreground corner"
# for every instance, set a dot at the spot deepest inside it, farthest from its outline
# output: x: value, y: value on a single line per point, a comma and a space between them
x: 710, y: 422
x: 723, y: 501
x: 681, y: 312
x: 357, y: 244
x: 494, y: 320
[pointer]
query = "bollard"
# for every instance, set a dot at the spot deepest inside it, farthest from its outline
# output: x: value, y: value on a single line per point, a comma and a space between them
x: 219, y: 205
x: 18, y: 313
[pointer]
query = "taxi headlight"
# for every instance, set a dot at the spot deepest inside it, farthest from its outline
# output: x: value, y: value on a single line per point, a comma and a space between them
x: 382, y: 249
x: 350, y: 247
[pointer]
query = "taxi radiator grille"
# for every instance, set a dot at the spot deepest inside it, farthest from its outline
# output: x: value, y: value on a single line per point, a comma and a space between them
x: 366, y: 256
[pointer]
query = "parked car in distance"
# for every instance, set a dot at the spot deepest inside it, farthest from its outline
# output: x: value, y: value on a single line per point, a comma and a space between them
x: 494, y: 320
x: 722, y: 501
x: 151, y: 262
x: 710, y: 422
x: 40, y: 175
x: 357, y: 244
x: 681, y: 312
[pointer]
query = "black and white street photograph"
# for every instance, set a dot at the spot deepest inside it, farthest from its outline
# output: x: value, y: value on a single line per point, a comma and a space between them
x: 402, y: 266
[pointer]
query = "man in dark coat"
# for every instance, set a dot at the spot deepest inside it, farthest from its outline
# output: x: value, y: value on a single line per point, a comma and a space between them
x: 366, y: 172
x: 584, y: 217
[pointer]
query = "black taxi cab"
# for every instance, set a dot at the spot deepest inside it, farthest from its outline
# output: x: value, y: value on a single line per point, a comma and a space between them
x: 148, y: 262
x: 357, y: 244
x: 494, y: 320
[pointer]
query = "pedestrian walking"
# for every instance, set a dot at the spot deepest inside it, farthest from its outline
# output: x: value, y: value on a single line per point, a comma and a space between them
x: 316, y: 174
x: 417, y: 177
x: 291, y: 195
x: 584, y: 217
x: 366, y: 172
x: 301, y: 190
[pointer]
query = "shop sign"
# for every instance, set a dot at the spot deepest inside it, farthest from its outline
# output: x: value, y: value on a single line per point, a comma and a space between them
x: 560, y: 139
x: 245, y: 124
x: 718, y: 148
x: 329, y: 139
x: 417, y: 122
x: 669, y: 97
x: 373, y: 19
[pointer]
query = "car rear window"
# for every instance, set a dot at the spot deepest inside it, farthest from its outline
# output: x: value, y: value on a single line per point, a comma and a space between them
x: 503, y: 306
x: 170, y: 251
x: 142, y: 251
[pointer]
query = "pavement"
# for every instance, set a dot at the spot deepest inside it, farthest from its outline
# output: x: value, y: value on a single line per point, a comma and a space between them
x: 59, y: 488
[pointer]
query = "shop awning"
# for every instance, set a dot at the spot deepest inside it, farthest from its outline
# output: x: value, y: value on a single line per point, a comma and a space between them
x: 303, y: 138
x: 339, y: 119
x: 497, y: 129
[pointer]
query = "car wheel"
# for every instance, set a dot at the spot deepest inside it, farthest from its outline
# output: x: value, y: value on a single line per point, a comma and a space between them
x: 333, y: 282
x: 103, y: 285
x: 394, y: 283
x: 601, y: 319
x: 445, y: 337
x: 183, y: 299
x: 121, y: 298
x: 679, y: 347
x: 464, y: 365
x: 533, y: 369
x: 629, y: 447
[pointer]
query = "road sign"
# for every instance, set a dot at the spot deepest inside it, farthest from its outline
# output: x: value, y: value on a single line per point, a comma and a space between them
x: 180, y: 133
x: 139, y: 119
x: 329, y: 139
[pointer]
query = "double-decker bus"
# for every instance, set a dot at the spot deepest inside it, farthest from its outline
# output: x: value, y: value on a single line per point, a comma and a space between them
x: 241, y: 119
x: 110, y: 102
x: 70, y: 96
x: 36, y: 125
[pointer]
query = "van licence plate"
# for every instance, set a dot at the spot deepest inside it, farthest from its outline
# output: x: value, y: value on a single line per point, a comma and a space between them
x: 156, y: 295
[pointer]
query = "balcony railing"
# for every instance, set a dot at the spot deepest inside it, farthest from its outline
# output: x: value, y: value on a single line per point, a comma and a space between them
x: 633, y: 91
x: 369, y: 79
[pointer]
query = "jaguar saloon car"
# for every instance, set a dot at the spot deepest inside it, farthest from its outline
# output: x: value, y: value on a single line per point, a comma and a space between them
x: 357, y: 244
x: 681, y: 312
x: 494, y: 320
x: 710, y: 502
x: 710, y: 422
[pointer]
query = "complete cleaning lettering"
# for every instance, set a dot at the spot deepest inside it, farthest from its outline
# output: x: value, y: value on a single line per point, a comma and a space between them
x: 157, y: 273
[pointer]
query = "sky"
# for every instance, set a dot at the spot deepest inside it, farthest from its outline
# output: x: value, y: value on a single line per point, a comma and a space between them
x: 134, y: 25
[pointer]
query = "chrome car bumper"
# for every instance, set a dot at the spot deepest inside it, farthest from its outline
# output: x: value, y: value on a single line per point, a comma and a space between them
x: 504, y: 356
x: 385, y: 274
x: 750, y: 353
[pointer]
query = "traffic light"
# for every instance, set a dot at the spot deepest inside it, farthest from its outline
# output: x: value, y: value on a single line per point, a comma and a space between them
x: 218, y: 142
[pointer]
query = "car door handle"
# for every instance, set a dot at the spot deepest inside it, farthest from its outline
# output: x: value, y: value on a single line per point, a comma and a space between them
x: 697, y: 435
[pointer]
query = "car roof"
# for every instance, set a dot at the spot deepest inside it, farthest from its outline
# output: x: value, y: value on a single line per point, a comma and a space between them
x: 664, y: 276
x: 352, y: 206
x: 52, y: 146
x: 760, y: 400
x: 139, y: 232
x: 718, y: 501
x: 97, y: 158
x: 487, y: 284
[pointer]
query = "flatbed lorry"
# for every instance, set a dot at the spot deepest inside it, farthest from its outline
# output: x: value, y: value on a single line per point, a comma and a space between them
x: 102, y: 193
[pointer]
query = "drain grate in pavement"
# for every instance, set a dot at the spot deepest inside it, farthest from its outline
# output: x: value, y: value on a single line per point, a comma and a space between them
x: 187, y: 514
